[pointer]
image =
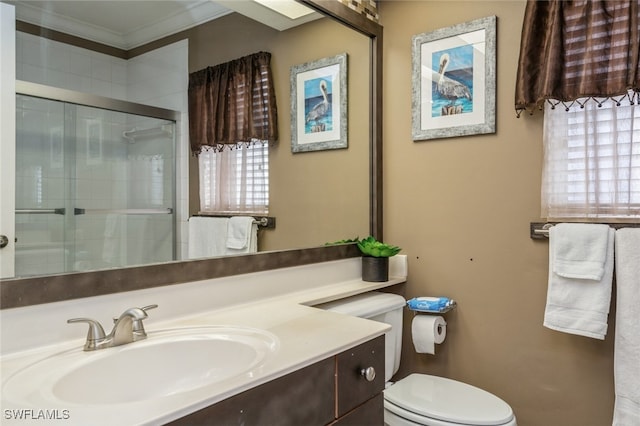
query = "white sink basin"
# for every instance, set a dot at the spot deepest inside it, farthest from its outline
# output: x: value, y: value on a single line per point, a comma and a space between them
x: 168, y: 362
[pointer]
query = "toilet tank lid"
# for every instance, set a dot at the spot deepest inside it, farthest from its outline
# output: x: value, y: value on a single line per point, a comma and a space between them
x: 365, y: 305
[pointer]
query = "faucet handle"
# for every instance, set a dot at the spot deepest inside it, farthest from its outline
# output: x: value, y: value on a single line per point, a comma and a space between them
x: 95, y: 334
x: 146, y: 308
x: 136, y: 314
x: 138, y: 327
x: 136, y: 322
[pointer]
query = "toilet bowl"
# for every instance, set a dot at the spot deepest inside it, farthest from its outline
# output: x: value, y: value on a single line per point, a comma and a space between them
x: 421, y: 399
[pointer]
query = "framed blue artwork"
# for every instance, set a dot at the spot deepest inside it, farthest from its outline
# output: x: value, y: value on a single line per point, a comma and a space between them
x: 319, y: 105
x: 454, y: 81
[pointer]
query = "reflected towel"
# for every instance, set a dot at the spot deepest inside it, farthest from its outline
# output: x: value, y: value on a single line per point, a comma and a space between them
x: 579, y: 306
x: 626, y: 364
x: 114, y: 230
x: 140, y: 245
x: 239, y: 232
x: 207, y: 236
x: 580, y: 250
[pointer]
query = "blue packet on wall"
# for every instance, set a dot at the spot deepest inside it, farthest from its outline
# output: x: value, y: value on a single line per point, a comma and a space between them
x: 428, y: 303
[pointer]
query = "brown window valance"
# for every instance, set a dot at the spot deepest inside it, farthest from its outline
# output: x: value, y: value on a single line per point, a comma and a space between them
x: 233, y: 104
x: 572, y: 49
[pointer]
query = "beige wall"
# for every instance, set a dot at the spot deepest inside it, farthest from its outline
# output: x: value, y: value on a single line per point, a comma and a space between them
x: 316, y: 197
x: 461, y: 208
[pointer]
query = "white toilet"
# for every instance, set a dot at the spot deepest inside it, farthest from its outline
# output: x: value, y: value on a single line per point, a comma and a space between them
x: 421, y: 399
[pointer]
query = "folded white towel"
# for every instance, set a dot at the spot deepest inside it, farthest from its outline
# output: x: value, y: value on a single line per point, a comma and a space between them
x: 239, y: 232
x: 580, y: 250
x: 579, y: 306
x: 626, y: 364
x: 207, y: 236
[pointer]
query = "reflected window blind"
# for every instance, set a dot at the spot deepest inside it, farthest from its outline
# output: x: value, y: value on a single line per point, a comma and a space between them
x: 592, y: 162
x: 235, y: 181
x: 251, y: 104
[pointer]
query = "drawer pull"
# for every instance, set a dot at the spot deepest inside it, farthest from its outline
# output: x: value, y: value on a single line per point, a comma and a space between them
x: 368, y: 373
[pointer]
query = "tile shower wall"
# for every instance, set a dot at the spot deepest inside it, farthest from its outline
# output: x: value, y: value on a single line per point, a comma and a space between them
x: 157, y: 78
x: 44, y: 61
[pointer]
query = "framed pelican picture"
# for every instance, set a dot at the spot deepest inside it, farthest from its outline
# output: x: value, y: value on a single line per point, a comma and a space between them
x: 454, y: 81
x: 319, y: 105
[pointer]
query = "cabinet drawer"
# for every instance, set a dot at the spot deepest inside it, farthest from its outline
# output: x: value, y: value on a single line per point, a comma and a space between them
x: 305, y: 397
x: 371, y: 413
x: 353, y: 388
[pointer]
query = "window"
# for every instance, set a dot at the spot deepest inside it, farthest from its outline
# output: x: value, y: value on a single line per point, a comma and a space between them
x: 232, y: 122
x: 592, y: 161
x: 235, y: 180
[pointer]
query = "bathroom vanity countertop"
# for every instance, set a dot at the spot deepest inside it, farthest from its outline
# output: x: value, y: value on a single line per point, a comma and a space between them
x: 305, y: 335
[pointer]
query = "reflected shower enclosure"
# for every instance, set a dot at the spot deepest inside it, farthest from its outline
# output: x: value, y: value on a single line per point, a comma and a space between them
x: 94, y: 187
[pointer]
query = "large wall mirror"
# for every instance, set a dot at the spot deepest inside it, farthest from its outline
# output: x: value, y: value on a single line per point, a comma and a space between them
x: 317, y: 197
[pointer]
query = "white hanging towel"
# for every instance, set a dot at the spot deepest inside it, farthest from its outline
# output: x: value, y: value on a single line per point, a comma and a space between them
x: 580, y: 250
x: 242, y: 235
x: 207, y: 236
x: 626, y: 358
x: 579, y: 305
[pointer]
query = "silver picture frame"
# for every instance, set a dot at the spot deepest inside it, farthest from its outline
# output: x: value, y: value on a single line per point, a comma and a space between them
x: 454, y: 81
x: 319, y: 105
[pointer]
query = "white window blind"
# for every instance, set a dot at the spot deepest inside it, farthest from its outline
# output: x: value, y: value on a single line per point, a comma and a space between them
x: 591, y: 164
x: 235, y: 180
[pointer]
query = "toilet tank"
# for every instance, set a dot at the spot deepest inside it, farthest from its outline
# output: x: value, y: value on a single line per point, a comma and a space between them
x: 376, y: 306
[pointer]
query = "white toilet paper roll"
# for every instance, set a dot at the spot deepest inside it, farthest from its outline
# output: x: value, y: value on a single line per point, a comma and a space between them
x: 426, y: 331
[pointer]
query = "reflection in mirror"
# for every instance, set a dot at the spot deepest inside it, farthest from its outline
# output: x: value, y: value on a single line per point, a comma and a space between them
x: 95, y: 187
x: 316, y: 197
x: 31, y: 291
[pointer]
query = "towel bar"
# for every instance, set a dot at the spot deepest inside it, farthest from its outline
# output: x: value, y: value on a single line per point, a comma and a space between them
x: 263, y: 221
x: 268, y: 222
x: 78, y: 211
x: 59, y: 211
x: 540, y: 230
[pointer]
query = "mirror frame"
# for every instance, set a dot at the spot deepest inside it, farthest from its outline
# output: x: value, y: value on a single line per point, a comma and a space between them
x: 20, y: 292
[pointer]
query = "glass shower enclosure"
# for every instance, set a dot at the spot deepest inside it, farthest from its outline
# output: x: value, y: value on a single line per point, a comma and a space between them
x: 95, y: 182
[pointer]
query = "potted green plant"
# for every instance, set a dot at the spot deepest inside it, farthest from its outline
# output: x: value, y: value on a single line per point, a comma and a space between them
x: 375, y: 259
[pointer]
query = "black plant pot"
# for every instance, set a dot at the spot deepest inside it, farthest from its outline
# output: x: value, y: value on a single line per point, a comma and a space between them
x: 375, y: 269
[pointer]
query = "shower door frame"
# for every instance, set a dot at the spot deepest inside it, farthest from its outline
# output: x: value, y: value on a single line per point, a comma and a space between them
x: 96, y: 101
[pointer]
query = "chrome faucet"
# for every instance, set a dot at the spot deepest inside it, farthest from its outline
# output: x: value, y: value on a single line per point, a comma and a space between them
x: 126, y: 329
x: 122, y: 332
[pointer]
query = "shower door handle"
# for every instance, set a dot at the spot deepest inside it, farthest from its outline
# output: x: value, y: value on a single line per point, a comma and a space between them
x: 4, y: 241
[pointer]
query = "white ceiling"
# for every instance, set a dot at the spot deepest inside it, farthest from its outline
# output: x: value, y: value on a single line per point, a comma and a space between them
x: 126, y: 24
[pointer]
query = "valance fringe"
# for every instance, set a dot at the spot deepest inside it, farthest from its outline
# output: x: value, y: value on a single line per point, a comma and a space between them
x: 630, y: 98
x: 225, y: 146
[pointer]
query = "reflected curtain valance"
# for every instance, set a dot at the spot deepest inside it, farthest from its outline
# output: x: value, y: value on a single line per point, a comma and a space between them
x: 575, y: 49
x: 233, y: 104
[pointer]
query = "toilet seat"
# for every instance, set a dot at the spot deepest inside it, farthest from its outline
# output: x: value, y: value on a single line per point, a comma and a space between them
x: 431, y: 400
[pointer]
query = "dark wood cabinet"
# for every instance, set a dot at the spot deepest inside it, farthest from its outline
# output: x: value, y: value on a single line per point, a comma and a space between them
x: 333, y: 391
x: 370, y: 413
x: 353, y: 387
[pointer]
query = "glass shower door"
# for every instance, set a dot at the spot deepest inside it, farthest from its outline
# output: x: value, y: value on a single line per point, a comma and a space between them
x: 124, y: 197
x: 95, y: 188
x: 42, y: 187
